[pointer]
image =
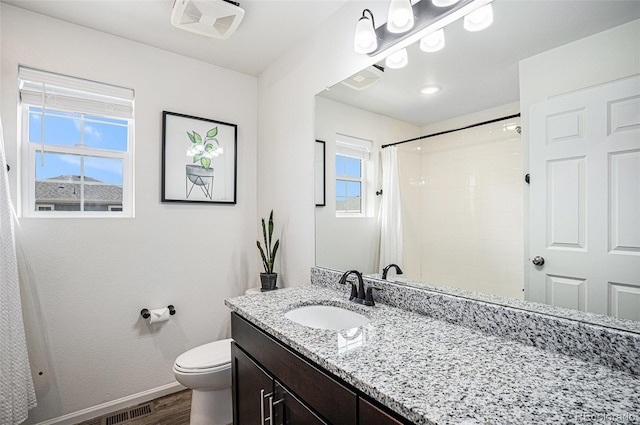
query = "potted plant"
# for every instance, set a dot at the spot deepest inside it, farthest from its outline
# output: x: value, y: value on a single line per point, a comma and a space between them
x: 268, y: 279
x: 202, y: 151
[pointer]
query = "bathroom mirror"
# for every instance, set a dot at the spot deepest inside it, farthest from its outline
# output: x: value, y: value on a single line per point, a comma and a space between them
x: 478, y: 79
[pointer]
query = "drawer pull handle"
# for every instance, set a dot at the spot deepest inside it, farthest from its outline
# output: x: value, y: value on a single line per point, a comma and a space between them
x: 262, y: 397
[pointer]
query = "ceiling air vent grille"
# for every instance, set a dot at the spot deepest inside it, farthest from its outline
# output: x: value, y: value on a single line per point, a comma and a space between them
x: 211, y: 18
x: 365, y: 78
x: 123, y: 416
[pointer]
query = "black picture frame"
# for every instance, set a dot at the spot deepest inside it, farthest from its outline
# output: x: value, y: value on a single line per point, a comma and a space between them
x: 199, y: 159
x: 320, y: 189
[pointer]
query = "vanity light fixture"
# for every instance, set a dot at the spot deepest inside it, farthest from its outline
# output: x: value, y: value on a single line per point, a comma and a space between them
x: 433, y: 42
x: 430, y: 89
x: 365, y: 39
x: 479, y: 19
x: 400, y: 17
x: 397, y: 60
x: 444, y: 3
x: 408, y: 23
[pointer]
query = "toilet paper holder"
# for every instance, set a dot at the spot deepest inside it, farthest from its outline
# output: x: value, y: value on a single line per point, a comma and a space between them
x: 146, y: 314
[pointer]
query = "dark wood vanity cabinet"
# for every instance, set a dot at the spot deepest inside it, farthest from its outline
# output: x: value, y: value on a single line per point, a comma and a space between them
x: 272, y: 381
x: 258, y: 396
x: 370, y: 414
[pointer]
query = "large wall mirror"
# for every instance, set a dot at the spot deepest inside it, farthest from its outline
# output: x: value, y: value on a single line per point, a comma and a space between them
x: 465, y: 208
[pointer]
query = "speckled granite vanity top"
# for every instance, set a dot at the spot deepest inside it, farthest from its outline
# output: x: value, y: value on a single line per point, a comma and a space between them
x: 430, y: 371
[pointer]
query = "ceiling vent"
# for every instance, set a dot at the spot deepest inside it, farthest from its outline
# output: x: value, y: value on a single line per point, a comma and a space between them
x: 365, y: 78
x: 211, y: 18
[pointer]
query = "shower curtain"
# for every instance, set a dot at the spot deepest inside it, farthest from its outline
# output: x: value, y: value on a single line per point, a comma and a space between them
x: 390, y: 217
x: 17, y: 393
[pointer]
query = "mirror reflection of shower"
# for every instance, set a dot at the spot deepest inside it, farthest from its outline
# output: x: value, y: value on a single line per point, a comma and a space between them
x: 463, y: 209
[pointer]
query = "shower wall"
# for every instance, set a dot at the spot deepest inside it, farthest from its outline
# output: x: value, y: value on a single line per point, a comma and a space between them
x: 463, y: 209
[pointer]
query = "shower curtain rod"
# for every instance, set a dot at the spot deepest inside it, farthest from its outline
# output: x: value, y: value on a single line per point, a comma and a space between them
x: 453, y: 130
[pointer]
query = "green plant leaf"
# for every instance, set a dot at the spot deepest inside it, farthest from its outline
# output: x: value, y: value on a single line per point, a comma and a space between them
x: 273, y: 255
x: 197, y: 157
x: 267, y: 247
x: 206, y: 162
x: 209, y: 147
x: 212, y: 133
x: 264, y: 259
x: 193, y: 140
x: 197, y: 137
x: 270, y: 226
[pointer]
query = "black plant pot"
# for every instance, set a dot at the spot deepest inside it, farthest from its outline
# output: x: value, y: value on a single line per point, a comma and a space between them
x: 268, y: 281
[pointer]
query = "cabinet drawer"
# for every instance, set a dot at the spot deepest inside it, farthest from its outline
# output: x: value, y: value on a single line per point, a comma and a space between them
x: 336, y: 403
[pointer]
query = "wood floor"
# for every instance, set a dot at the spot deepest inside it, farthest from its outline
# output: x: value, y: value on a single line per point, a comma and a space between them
x: 173, y: 409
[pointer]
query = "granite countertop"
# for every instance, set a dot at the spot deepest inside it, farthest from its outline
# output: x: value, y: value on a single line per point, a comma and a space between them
x: 431, y: 371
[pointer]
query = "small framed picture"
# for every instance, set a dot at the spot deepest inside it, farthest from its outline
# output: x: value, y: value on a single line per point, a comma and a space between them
x: 199, y: 159
x: 320, y: 173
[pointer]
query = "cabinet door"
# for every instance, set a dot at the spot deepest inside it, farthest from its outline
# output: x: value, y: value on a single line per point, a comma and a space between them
x: 371, y: 415
x: 252, y: 389
x: 291, y: 411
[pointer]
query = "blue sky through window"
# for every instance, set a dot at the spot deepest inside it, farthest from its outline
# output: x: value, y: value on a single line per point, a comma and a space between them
x: 348, y: 186
x: 72, y: 129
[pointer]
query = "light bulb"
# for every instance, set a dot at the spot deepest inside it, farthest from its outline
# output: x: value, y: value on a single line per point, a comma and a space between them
x: 431, y: 89
x: 365, y: 39
x: 433, y: 42
x: 444, y: 3
x: 397, y: 60
x: 400, y: 16
x: 479, y: 19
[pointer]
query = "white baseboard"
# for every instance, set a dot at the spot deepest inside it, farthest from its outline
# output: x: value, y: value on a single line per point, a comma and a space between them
x: 115, y: 405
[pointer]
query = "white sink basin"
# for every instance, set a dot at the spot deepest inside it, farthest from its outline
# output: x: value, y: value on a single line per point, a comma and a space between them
x: 326, y: 317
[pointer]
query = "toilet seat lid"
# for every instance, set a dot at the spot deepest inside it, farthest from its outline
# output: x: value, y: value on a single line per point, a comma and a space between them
x: 206, y: 356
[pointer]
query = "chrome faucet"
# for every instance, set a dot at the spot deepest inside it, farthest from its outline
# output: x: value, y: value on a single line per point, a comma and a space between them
x: 358, y: 294
x: 386, y: 270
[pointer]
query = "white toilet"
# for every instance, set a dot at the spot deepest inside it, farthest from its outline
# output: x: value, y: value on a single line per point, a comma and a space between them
x: 207, y: 371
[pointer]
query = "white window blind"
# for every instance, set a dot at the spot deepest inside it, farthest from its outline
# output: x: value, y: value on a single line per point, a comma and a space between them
x: 353, y: 146
x: 65, y: 93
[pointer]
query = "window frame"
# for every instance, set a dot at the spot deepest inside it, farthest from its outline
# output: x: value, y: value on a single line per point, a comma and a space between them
x: 29, y: 150
x: 360, y: 149
x: 361, y: 180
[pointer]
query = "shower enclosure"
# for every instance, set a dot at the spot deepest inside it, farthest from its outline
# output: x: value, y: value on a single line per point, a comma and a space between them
x: 462, y: 195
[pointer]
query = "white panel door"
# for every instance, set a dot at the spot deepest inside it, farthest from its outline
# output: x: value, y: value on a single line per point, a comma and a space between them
x: 585, y: 200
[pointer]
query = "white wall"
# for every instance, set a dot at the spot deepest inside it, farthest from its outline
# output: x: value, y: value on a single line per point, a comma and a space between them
x: 93, y: 276
x: 286, y: 93
x: 357, y: 237
x: 598, y: 59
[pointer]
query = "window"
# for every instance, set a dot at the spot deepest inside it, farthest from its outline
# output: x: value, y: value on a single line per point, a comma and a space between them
x: 348, y: 185
x: 77, y: 144
x: 352, y: 163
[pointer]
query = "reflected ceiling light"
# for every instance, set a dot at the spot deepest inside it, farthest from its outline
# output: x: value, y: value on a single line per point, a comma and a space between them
x: 365, y: 39
x: 433, y: 42
x: 430, y: 89
x: 397, y: 60
x: 400, y: 17
x: 444, y: 3
x: 479, y: 19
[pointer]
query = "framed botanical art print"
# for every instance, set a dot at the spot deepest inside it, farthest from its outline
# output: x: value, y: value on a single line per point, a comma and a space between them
x: 199, y: 159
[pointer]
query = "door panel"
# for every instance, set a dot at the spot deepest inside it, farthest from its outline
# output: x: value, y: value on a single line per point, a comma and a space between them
x: 585, y: 200
x: 625, y: 202
x: 251, y: 385
x: 566, y: 193
x: 566, y: 292
x: 624, y: 300
x: 291, y: 411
